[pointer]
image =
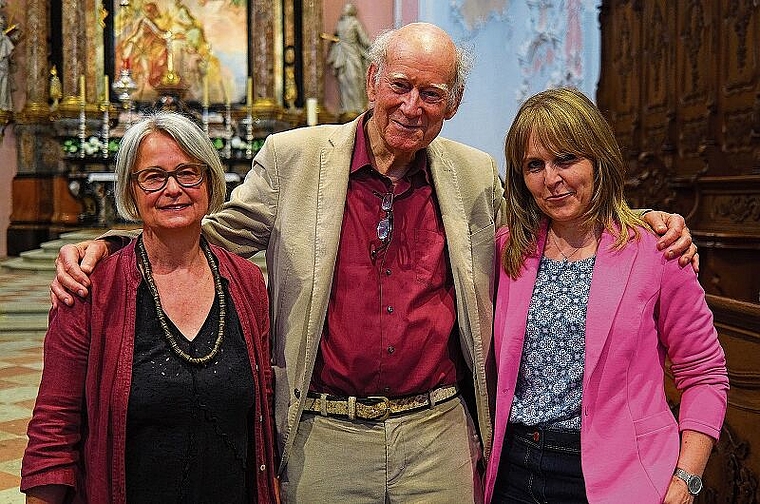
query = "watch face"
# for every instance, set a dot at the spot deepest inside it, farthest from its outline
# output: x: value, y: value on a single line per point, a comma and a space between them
x: 695, y: 485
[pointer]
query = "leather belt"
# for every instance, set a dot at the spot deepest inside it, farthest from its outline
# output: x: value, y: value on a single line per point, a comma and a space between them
x: 377, y: 408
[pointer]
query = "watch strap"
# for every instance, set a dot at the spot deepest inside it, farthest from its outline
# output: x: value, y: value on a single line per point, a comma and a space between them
x: 693, y: 482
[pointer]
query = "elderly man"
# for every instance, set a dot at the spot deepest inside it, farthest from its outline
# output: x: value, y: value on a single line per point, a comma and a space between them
x: 379, y: 240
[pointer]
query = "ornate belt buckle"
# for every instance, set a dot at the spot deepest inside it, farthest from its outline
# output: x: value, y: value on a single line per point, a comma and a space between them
x: 383, y: 407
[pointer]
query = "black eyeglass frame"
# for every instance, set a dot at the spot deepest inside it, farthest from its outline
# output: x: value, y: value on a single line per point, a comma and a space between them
x: 136, y: 176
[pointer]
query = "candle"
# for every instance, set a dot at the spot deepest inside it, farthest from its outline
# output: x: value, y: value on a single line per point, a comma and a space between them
x: 311, y: 111
x: 205, y: 90
x: 82, y: 95
x: 226, y: 94
x: 105, y: 93
x: 249, y: 92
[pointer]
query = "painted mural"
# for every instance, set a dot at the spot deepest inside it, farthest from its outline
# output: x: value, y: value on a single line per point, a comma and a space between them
x: 174, y: 44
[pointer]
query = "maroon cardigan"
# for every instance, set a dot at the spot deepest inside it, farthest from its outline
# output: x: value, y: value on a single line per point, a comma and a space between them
x: 77, y: 431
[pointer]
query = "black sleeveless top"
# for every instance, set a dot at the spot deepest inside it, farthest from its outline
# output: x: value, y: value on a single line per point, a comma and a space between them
x: 188, y: 438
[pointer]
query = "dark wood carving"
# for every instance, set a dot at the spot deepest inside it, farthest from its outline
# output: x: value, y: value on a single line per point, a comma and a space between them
x: 680, y: 84
x: 730, y: 468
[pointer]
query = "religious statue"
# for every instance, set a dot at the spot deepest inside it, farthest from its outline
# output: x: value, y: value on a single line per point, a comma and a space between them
x: 291, y: 90
x: 6, y: 49
x: 56, y: 89
x: 348, y: 58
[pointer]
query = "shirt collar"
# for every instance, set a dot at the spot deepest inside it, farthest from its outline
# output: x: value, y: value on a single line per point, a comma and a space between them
x: 361, y: 157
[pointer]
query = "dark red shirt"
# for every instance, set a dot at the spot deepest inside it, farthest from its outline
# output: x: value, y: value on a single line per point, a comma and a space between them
x: 390, y: 317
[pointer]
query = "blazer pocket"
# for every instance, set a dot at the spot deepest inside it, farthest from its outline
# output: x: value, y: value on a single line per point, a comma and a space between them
x: 657, y: 443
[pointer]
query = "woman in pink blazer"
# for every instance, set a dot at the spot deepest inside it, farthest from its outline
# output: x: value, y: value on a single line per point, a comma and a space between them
x: 587, y: 311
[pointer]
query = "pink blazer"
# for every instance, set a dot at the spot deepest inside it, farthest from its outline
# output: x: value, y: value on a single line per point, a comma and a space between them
x: 640, y: 309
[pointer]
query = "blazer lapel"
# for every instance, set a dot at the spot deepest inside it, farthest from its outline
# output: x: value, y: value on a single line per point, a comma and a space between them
x: 612, y: 269
x: 456, y: 227
x: 334, y: 168
x: 449, y: 194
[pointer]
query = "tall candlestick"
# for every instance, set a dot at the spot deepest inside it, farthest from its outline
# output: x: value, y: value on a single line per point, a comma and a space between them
x: 311, y: 111
x: 205, y: 104
x: 226, y: 94
x: 82, y: 95
x: 249, y: 92
x: 106, y: 132
x: 105, y: 93
x: 205, y: 90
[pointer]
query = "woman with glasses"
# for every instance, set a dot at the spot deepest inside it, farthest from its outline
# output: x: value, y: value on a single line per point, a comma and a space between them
x: 587, y: 311
x: 158, y: 387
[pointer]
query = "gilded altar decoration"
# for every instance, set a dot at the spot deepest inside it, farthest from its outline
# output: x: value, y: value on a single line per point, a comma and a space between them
x: 56, y: 90
x: 179, y: 44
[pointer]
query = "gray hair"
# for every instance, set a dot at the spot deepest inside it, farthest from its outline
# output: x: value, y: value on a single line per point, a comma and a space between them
x: 190, y: 138
x: 378, y: 56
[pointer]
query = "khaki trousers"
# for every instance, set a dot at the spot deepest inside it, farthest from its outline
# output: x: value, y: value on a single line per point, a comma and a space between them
x: 426, y: 456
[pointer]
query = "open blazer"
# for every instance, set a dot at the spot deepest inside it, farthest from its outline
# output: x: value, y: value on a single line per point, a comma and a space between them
x: 78, y: 431
x: 641, y: 307
x: 291, y: 204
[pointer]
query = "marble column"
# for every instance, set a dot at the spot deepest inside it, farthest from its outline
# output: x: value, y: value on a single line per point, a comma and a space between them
x: 37, y: 149
x: 39, y: 166
x: 36, y: 43
x: 262, y: 53
x: 313, y: 54
x: 74, y: 54
x: 92, y: 54
x: 290, y: 86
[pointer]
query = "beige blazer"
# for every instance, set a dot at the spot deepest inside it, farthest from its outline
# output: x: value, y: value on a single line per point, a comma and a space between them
x: 291, y: 205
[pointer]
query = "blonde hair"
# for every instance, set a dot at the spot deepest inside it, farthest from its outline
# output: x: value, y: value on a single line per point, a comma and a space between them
x: 564, y: 121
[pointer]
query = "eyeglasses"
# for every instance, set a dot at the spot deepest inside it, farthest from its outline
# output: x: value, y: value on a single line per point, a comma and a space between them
x: 154, y: 179
x: 385, y: 226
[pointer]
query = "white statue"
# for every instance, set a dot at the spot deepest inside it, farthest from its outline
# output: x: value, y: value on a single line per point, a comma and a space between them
x: 348, y: 58
x: 6, y: 48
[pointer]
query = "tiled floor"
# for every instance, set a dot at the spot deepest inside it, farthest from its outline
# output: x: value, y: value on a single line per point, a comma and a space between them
x: 23, y: 302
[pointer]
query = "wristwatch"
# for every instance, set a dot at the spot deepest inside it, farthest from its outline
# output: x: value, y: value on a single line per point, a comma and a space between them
x: 693, y: 482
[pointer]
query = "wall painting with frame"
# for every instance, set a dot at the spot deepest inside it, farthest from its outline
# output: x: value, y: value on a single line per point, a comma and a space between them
x: 178, y: 42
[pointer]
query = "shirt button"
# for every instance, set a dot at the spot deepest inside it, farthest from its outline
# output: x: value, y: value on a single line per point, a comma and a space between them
x: 388, y: 272
x: 262, y: 467
x: 391, y: 349
x: 390, y: 309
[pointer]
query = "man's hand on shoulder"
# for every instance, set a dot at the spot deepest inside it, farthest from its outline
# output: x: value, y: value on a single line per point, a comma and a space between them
x: 71, y: 276
x: 675, y: 237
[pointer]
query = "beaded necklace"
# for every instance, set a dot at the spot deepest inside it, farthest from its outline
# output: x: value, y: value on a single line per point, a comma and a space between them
x: 147, y: 273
